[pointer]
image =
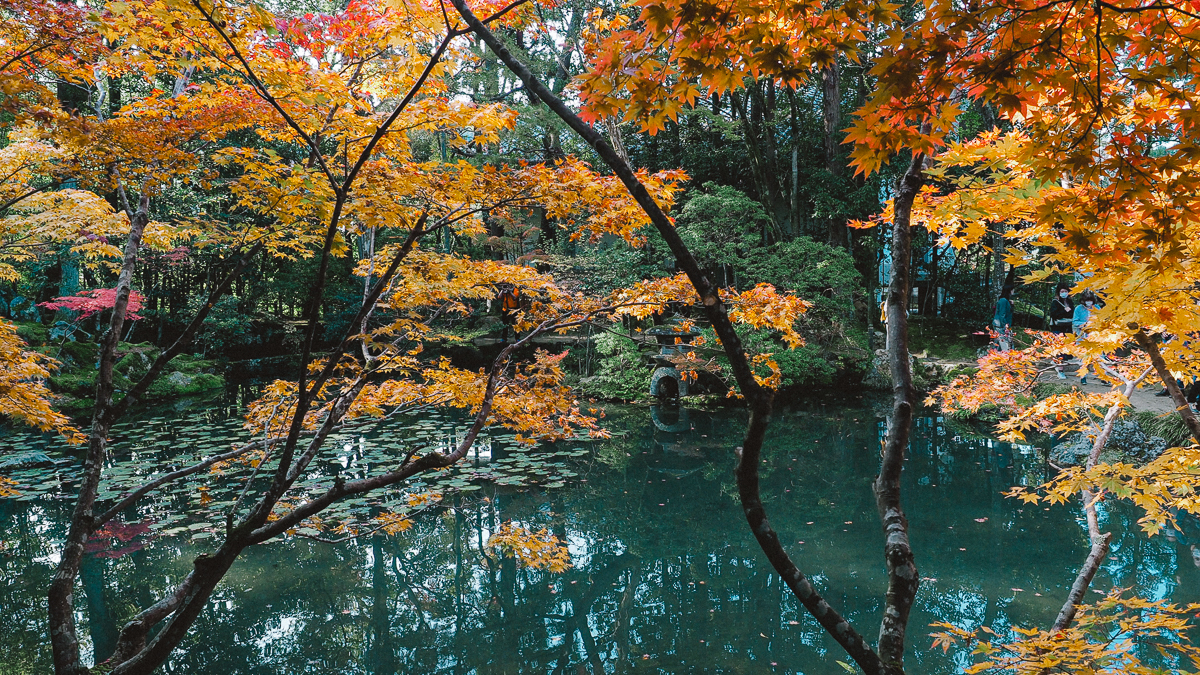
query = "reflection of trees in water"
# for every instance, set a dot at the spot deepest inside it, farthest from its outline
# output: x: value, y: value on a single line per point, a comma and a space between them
x: 663, y: 565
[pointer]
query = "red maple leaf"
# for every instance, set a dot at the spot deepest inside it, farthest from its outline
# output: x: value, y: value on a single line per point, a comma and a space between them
x: 96, y: 300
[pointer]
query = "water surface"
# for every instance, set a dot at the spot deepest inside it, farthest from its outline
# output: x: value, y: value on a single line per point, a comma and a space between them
x: 665, y: 579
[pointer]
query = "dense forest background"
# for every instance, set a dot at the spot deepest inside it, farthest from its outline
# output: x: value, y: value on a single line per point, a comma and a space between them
x: 769, y: 199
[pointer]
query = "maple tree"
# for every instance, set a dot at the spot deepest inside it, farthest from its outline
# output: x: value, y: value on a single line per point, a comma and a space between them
x: 90, y: 303
x: 1098, y: 179
x: 648, y: 72
x: 327, y: 103
x: 23, y: 392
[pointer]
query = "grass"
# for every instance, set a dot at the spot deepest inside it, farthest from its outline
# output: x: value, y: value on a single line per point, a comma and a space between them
x: 944, y: 339
x: 1169, y: 427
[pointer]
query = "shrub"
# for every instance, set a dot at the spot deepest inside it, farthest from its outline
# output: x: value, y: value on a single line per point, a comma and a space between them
x: 807, y: 366
x: 720, y: 225
x: 621, y: 373
x: 817, y: 272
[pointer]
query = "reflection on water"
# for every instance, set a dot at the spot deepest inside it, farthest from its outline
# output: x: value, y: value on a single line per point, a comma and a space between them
x: 666, y: 577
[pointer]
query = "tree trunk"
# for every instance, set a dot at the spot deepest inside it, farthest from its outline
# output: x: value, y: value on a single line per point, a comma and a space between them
x: 64, y: 637
x: 998, y: 247
x: 903, y: 579
x: 758, y: 399
x: 831, y: 111
x: 1160, y: 367
x: 794, y: 192
x: 758, y: 134
x: 68, y: 282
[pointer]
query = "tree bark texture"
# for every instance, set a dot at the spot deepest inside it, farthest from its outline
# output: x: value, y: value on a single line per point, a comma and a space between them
x: 1099, y: 541
x: 903, y: 579
x: 758, y: 398
x: 1096, y: 555
x: 64, y: 637
x: 1160, y: 366
x: 831, y: 113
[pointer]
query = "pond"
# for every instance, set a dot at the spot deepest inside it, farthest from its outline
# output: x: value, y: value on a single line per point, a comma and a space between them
x: 665, y: 576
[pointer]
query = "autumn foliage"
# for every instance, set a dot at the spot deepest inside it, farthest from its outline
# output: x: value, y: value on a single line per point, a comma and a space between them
x: 304, y: 123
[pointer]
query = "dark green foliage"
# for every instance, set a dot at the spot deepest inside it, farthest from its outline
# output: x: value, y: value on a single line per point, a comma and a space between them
x: 621, y: 374
x: 807, y: 366
x: 184, y: 376
x: 227, y: 327
x: 1169, y: 427
x: 32, y: 332
x: 601, y: 269
x: 944, y: 339
x: 822, y: 274
x: 721, y: 225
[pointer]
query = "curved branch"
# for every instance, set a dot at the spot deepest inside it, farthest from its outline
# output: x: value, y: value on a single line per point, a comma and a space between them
x: 1100, y: 541
x: 133, y: 497
x: 433, y: 460
x: 759, y: 398
x: 266, y: 93
x: 903, y: 578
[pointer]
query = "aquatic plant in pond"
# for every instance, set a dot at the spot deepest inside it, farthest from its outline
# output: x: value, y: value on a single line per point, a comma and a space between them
x: 660, y: 566
x: 196, y: 506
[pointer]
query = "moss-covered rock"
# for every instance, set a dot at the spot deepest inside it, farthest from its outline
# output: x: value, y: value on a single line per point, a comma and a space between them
x: 1128, y: 442
x: 32, y: 332
x: 184, y: 376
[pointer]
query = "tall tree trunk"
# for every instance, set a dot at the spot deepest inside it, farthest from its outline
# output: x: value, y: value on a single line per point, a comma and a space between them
x: 64, y: 637
x: 68, y: 282
x: 903, y: 579
x: 831, y: 111
x: 759, y: 135
x: 794, y: 191
x: 998, y: 248
x: 902, y: 574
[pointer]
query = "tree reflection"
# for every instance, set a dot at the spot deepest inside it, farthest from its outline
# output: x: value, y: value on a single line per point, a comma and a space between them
x: 664, y: 576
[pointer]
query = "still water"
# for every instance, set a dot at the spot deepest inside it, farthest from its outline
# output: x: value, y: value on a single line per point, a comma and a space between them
x: 665, y: 576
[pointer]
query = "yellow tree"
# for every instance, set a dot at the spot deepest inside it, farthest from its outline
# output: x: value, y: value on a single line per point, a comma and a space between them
x: 341, y: 94
x: 647, y: 71
x: 42, y: 40
x: 1100, y: 180
x: 1099, y: 177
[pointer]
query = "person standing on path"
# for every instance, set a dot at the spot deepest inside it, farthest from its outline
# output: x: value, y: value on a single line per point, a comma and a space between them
x: 1003, y: 317
x: 1079, y: 319
x: 1061, y: 313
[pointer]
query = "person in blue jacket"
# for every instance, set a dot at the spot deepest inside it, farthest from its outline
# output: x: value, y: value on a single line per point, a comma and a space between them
x: 1003, y: 318
x: 1083, y: 312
